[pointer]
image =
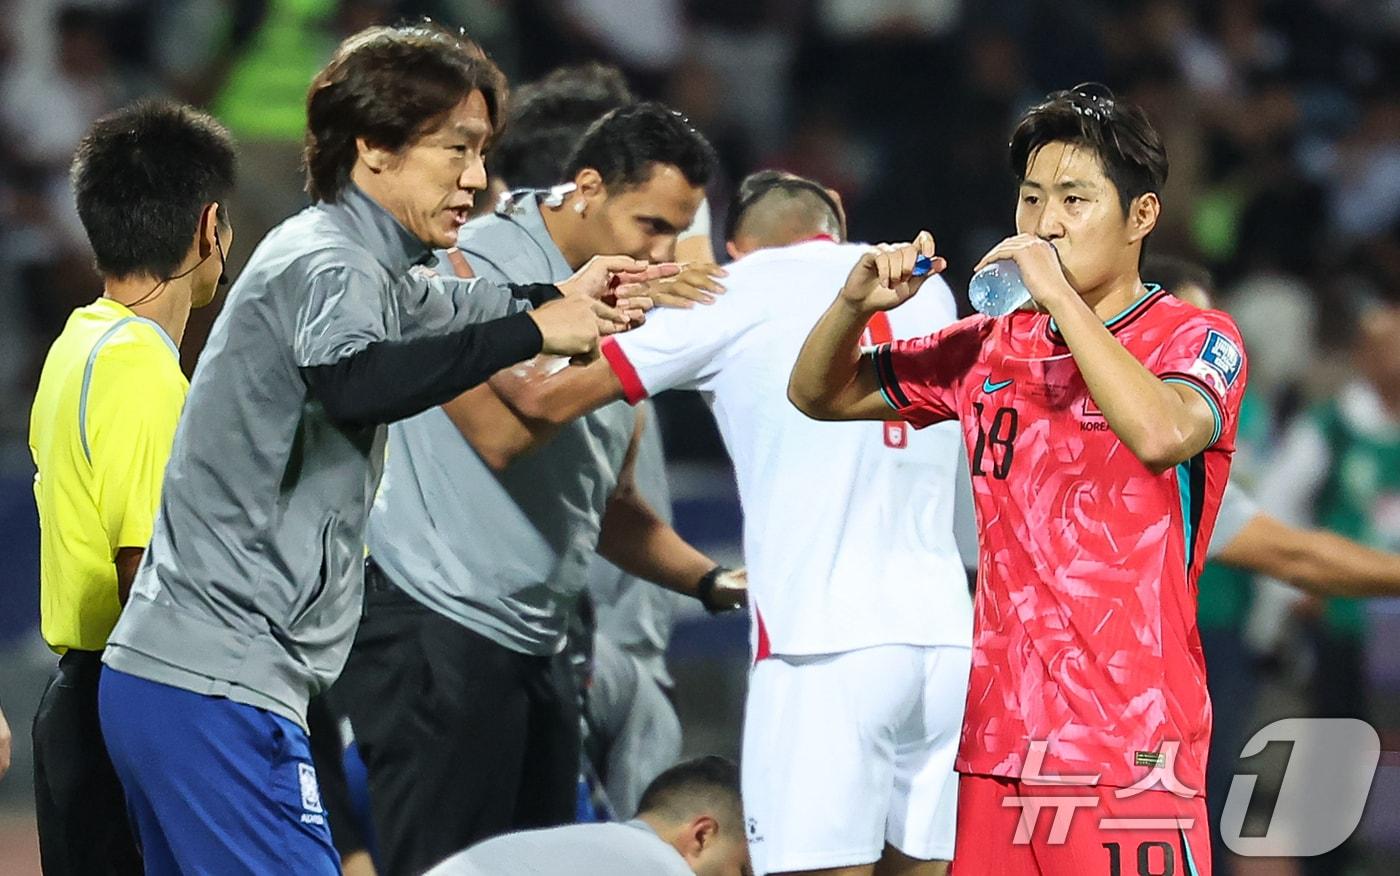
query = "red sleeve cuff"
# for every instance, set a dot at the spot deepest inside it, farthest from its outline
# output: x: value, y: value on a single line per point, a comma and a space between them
x: 632, y: 388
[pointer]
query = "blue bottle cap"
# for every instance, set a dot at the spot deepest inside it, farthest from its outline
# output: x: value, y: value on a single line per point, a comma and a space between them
x: 922, y: 266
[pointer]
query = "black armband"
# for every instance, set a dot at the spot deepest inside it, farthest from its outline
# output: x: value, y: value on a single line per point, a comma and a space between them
x: 538, y: 294
x: 392, y: 380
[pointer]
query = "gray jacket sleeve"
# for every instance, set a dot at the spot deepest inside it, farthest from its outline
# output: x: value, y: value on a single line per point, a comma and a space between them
x: 1237, y: 508
x: 342, y: 314
x: 362, y: 377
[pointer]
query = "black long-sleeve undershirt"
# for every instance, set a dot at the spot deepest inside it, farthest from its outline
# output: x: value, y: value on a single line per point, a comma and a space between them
x: 392, y: 380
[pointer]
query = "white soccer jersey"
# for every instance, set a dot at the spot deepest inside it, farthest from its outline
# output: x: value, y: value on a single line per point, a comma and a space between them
x: 847, y: 526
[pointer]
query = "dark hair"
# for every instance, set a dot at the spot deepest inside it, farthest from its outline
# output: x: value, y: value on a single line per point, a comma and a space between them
x: 141, y: 177
x: 624, y: 145
x: 548, y: 117
x: 1173, y: 273
x: 709, y: 783
x: 390, y: 85
x: 760, y: 186
x: 1088, y: 115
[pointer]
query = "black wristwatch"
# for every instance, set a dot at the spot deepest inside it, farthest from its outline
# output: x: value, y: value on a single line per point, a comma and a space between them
x: 705, y: 590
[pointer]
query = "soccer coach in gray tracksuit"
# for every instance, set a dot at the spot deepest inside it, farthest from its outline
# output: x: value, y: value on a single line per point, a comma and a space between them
x: 465, y: 716
x: 247, y: 599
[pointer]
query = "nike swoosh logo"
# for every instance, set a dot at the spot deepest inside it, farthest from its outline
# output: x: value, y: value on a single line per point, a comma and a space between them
x: 989, y: 387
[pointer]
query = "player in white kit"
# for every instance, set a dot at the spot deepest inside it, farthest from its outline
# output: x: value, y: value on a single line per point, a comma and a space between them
x: 860, y: 606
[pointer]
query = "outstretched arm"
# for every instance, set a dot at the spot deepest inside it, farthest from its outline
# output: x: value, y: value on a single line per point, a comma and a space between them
x: 1319, y: 562
x: 550, y: 390
x: 522, y: 407
x: 642, y: 544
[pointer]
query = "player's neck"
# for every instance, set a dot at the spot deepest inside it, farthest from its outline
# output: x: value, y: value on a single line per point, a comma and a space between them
x: 167, y: 306
x: 564, y: 224
x: 1115, y: 296
x: 659, y: 826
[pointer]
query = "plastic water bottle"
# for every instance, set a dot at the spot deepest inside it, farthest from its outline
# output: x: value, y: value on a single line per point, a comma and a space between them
x: 997, y: 289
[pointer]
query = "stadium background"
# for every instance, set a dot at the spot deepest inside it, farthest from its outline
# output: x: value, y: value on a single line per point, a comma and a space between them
x: 1282, y: 119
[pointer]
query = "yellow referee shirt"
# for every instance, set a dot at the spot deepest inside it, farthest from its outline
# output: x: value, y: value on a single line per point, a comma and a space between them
x: 100, y: 432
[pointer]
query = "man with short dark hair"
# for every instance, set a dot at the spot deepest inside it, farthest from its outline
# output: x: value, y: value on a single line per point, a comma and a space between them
x: 632, y: 732
x: 613, y: 169
x: 150, y: 182
x: 481, y: 559
x: 690, y: 821
x: 1099, y: 427
x: 247, y: 600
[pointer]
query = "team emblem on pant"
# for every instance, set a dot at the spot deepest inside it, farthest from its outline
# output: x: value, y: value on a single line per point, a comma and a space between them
x: 310, y: 791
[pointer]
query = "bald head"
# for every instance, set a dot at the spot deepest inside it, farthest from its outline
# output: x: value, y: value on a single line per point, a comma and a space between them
x: 774, y: 208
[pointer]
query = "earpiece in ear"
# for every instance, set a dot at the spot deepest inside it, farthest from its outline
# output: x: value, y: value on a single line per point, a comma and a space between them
x: 579, y: 208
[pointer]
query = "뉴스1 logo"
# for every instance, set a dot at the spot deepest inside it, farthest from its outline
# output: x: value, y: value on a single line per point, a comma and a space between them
x: 1316, y: 804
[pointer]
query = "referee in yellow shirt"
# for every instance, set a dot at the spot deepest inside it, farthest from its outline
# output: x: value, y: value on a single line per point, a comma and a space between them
x: 148, y: 181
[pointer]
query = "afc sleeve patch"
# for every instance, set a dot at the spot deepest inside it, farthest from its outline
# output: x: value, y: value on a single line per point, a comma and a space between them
x: 1219, y: 358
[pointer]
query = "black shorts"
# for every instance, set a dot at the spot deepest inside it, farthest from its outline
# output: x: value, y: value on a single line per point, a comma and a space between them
x: 81, y: 813
x: 463, y: 739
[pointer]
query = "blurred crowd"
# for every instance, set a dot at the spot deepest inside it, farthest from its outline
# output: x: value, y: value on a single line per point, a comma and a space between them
x: 1282, y: 119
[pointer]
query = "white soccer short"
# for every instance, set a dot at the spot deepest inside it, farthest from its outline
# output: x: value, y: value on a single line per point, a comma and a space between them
x: 845, y: 752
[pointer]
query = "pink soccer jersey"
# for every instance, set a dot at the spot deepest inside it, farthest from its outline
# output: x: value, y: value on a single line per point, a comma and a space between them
x: 1085, y: 647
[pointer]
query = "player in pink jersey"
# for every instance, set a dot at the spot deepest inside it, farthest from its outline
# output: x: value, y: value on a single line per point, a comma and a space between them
x: 1099, y: 426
